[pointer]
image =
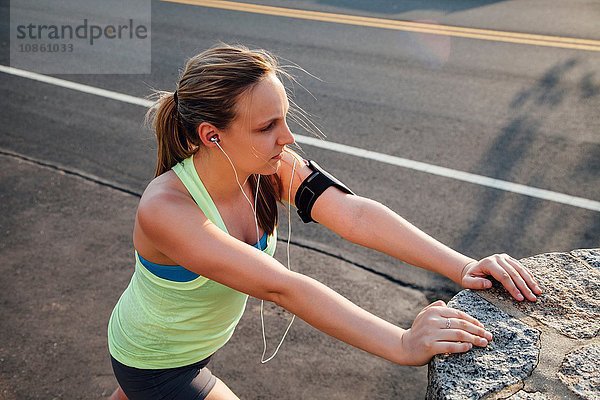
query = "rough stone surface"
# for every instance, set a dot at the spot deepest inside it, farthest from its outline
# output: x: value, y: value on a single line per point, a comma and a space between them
x: 590, y: 256
x: 567, y: 317
x: 580, y: 371
x: 523, y: 395
x: 571, y: 301
x: 508, y: 359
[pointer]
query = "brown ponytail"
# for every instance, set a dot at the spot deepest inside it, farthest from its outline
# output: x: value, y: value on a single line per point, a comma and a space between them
x: 173, y: 144
x: 208, y: 91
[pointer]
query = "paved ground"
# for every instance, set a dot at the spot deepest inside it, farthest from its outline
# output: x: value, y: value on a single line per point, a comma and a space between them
x: 67, y: 258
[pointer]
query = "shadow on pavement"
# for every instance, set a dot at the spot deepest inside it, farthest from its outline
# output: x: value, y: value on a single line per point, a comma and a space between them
x: 522, y: 137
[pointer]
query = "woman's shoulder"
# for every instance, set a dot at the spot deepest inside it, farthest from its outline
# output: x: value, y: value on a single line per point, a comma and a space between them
x: 164, y: 186
x: 166, y: 190
x: 292, y: 161
x: 164, y: 203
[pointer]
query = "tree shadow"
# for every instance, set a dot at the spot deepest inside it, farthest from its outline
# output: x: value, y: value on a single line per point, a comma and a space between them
x: 587, y: 86
x: 506, y: 157
x: 396, y: 7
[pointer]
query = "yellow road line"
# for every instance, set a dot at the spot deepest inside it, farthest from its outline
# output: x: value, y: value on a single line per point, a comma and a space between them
x: 411, y: 26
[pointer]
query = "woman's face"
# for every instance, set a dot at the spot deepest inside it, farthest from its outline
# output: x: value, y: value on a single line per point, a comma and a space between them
x: 259, y: 131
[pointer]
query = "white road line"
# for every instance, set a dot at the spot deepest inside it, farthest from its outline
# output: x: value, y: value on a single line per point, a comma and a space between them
x: 455, y: 174
x: 76, y: 86
x: 543, y: 194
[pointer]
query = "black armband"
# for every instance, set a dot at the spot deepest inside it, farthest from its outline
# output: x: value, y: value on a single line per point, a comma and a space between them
x: 312, y: 187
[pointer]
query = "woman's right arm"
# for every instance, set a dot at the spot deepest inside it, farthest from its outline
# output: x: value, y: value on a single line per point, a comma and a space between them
x: 178, y: 229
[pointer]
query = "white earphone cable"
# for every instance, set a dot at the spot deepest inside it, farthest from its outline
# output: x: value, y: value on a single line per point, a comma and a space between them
x: 237, y: 179
x: 262, y: 321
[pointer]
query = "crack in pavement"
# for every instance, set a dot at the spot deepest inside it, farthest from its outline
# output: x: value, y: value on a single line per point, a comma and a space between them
x: 72, y: 171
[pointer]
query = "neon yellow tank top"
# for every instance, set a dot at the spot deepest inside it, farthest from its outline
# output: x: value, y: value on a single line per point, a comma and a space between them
x: 159, y: 323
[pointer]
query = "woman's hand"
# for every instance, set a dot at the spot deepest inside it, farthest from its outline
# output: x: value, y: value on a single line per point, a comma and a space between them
x: 439, y: 329
x: 509, y: 272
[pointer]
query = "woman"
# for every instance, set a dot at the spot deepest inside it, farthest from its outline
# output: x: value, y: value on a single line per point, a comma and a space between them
x: 219, y: 133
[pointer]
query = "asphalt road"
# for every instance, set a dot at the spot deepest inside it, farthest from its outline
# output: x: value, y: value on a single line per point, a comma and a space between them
x: 517, y: 112
x: 521, y: 113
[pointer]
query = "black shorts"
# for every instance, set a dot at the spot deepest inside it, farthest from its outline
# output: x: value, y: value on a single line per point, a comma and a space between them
x: 192, y: 382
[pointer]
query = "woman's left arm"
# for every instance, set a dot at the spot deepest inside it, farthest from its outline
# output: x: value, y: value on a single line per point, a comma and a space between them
x: 371, y: 224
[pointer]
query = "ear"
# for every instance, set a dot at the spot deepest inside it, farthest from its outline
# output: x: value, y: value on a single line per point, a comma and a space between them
x: 205, y: 131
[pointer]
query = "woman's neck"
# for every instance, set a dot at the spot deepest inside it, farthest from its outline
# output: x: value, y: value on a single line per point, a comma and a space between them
x: 217, y: 175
